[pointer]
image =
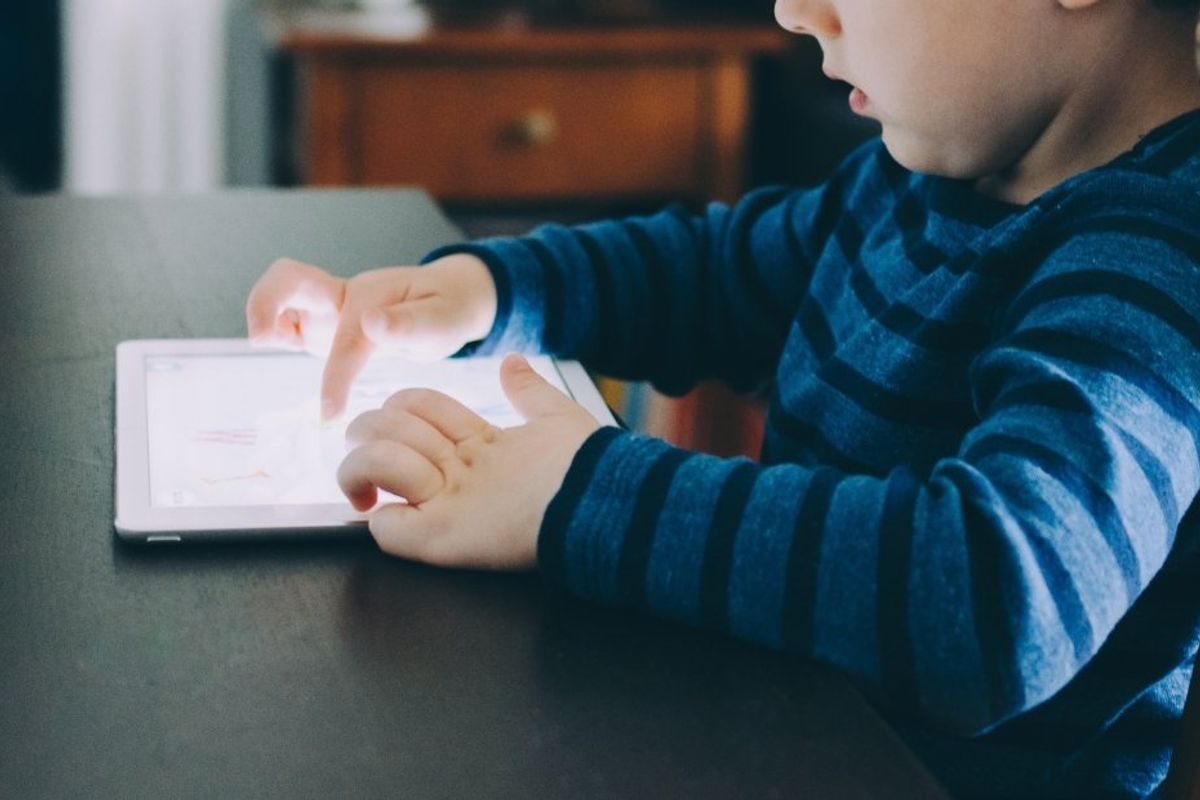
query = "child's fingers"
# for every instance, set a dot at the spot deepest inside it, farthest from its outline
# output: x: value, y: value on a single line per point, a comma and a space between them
x: 347, y: 356
x: 447, y: 415
x: 390, y: 466
x: 289, y: 331
x: 263, y: 318
x: 288, y: 285
x: 407, y: 531
x: 259, y: 326
x: 266, y: 300
x: 395, y: 425
x: 531, y: 394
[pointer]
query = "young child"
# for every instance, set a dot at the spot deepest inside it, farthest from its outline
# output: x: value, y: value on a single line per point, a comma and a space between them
x: 983, y: 441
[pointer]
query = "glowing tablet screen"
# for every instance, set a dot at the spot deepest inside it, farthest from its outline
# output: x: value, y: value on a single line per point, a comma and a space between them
x: 239, y: 430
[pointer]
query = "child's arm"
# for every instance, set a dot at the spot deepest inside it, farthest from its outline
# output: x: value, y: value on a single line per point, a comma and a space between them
x: 671, y: 298
x: 641, y: 298
x: 968, y: 594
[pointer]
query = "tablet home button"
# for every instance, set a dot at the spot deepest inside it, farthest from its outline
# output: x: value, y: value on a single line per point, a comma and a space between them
x: 163, y: 540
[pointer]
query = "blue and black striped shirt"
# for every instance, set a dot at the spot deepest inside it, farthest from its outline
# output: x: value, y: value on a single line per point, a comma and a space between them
x: 981, y: 451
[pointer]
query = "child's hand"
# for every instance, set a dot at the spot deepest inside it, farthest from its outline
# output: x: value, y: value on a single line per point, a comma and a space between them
x: 476, y: 494
x: 424, y: 313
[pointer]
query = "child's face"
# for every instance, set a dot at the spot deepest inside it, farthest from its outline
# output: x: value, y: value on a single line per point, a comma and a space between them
x: 962, y: 87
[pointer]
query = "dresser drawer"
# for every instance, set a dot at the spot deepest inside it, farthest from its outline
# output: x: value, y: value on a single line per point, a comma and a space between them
x: 527, y: 132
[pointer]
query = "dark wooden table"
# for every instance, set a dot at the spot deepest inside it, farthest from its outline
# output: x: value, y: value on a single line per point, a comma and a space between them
x: 326, y: 669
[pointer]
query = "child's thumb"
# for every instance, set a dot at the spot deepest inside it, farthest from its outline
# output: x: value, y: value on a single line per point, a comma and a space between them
x: 530, y: 394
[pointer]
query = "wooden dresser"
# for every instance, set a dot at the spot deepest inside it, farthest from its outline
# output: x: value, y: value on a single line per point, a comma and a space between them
x: 499, y: 107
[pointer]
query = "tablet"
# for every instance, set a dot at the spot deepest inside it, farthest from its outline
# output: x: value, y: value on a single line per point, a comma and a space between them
x: 216, y: 439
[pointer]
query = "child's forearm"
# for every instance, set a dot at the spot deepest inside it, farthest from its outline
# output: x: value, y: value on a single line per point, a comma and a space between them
x: 968, y: 590
x: 927, y: 591
x: 670, y: 298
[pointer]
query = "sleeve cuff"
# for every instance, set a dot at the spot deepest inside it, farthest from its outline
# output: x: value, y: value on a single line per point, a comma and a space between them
x: 552, y: 539
x: 601, y: 503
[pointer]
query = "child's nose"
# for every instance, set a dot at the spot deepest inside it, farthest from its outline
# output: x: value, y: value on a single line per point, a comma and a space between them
x: 811, y: 17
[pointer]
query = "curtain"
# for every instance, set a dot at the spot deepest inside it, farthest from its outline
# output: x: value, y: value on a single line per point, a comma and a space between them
x: 145, y: 95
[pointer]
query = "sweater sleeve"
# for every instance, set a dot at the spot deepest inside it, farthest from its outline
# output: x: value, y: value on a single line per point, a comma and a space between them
x: 671, y: 298
x: 968, y: 594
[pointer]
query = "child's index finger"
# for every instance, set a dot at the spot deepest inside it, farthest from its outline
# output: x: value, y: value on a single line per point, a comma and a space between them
x: 347, y: 357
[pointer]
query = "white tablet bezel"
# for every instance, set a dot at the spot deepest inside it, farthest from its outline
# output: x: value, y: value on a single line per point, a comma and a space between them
x: 137, y: 519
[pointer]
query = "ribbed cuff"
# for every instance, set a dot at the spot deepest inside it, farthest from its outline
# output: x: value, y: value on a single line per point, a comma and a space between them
x: 552, y: 539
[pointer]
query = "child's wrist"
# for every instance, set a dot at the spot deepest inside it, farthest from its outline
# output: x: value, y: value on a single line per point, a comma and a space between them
x: 474, y: 285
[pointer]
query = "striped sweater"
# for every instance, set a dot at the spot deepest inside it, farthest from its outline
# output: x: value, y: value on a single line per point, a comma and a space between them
x: 982, y: 446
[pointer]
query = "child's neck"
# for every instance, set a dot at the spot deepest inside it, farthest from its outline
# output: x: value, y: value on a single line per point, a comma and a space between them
x: 1109, y: 113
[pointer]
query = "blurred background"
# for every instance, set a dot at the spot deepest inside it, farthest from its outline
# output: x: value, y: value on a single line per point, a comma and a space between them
x: 103, y: 96
x: 508, y: 113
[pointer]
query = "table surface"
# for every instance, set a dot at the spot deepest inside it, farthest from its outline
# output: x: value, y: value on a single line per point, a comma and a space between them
x: 326, y: 669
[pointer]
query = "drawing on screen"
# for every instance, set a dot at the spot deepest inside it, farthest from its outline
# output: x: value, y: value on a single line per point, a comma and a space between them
x: 258, y: 474
x: 235, y: 436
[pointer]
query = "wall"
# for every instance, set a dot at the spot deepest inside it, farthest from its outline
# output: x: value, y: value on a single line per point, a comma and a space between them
x: 30, y: 136
x: 145, y: 100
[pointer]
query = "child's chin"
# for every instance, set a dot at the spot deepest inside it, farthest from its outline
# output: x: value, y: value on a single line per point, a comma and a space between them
x: 907, y: 153
x: 918, y: 156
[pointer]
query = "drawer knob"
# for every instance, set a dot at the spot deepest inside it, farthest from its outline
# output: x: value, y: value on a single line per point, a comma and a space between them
x: 534, y: 128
